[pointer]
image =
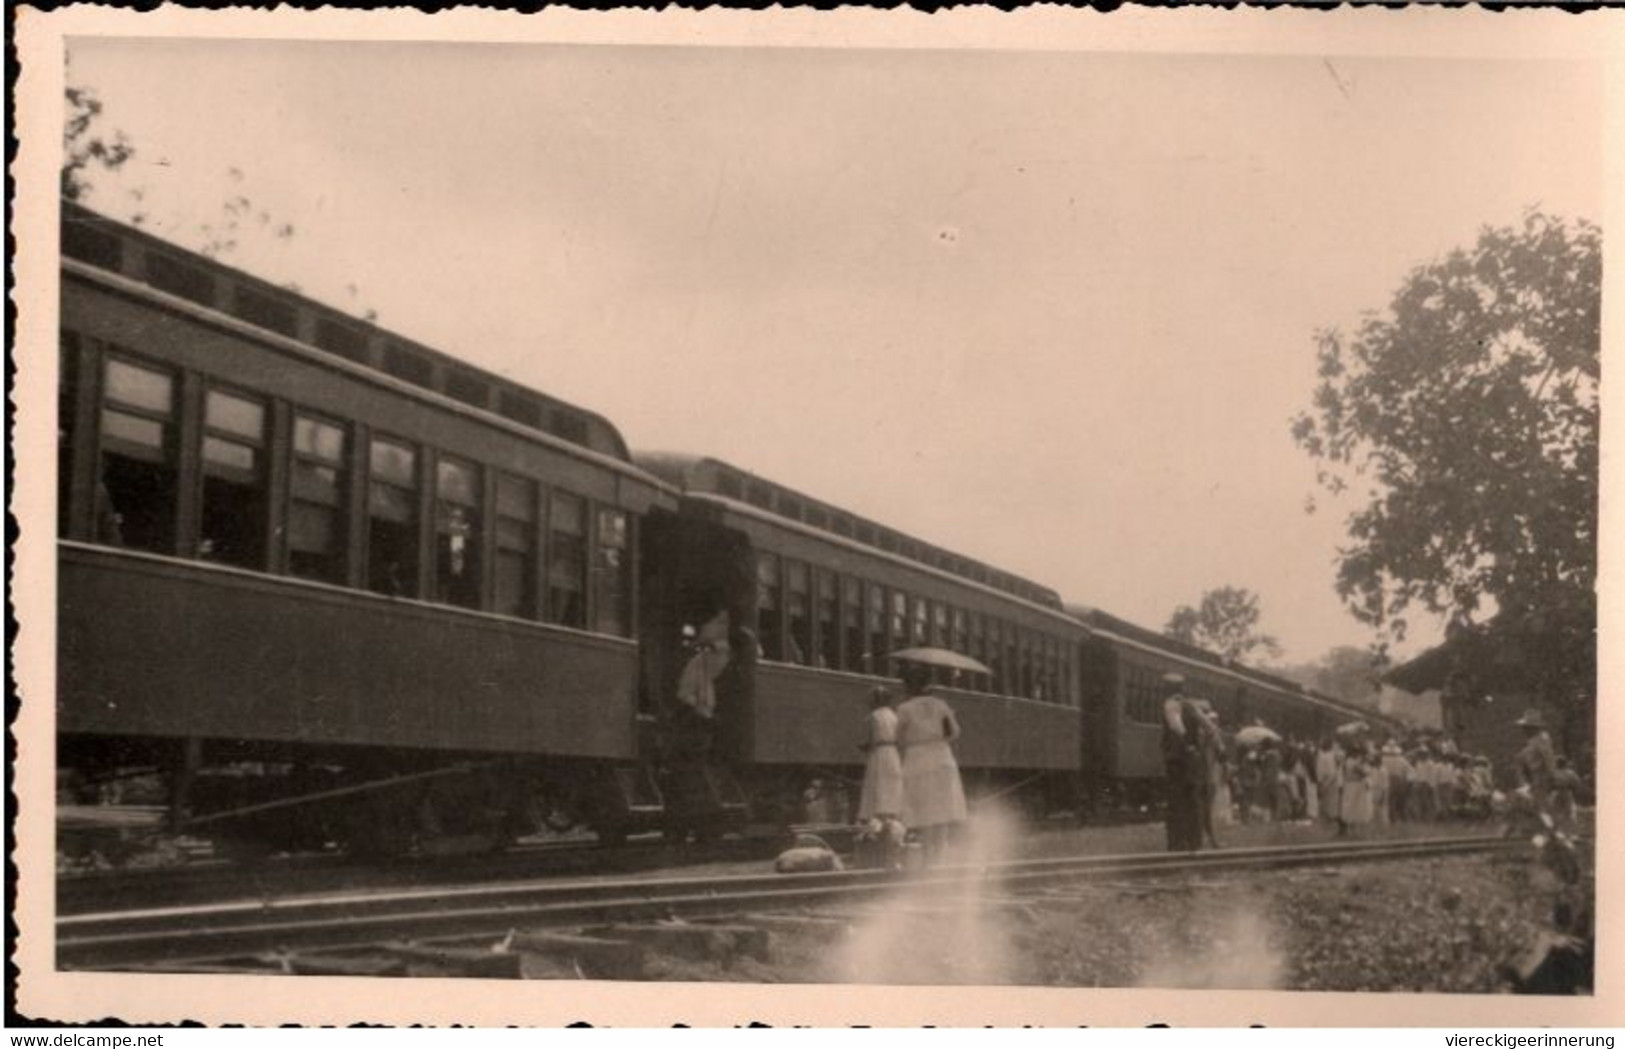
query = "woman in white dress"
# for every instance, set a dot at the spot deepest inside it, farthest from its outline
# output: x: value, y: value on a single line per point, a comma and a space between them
x: 933, y: 796
x: 882, y: 796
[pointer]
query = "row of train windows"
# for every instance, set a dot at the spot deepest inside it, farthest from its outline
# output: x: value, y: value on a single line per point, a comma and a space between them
x: 814, y: 617
x: 137, y: 504
x: 280, y: 313
x: 1143, y: 695
x: 786, y: 505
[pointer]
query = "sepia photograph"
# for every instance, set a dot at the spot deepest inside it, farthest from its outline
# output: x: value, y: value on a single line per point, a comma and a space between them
x: 820, y: 505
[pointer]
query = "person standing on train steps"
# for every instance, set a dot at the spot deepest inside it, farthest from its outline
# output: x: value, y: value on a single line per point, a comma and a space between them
x: 694, y: 716
x: 933, y: 795
x: 1181, y: 762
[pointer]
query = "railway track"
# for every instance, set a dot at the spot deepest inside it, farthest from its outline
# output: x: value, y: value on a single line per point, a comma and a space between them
x: 216, y: 880
x: 465, y: 923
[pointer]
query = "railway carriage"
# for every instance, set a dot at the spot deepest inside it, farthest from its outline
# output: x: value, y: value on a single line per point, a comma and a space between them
x: 304, y: 557
x: 833, y: 594
x: 1123, y: 665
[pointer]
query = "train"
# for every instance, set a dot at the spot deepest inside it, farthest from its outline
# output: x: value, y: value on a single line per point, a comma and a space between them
x: 330, y: 587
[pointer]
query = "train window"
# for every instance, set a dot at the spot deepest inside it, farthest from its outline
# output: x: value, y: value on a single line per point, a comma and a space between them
x: 520, y: 408
x: 341, y: 339
x: 852, y: 621
x: 829, y: 635
x: 233, y: 520
x: 977, y: 646
x: 514, y: 590
x: 899, y: 620
x: 888, y: 541
x: 1052, y: 672
x: 1029, y: 676
x: 798, y: 612
x: 167, y: 273
x: 729, y: 485
x: 878, y: 645
x: 961, y: 641
x: 920, y: 634
x: 866, y: 533
x: 767, y: 606
x: 67, y: 410
x: 392, y: 519
x: 567, y: 561
x: 759, y: 495
x: 843, y: 525
x: 84, y: 241
x: 316, y: 530
x: 457, y: 533
x: 789, y: 506
x: 264, y: 311
x: 1014, y: 684
x: 465, y: 386
x: 404, y: 364
x: 940, y: 633
x: 568, y: 426
x: 818, y: 517
x: 612, y: 575
x: 138, y: 467
x: 994, y: 656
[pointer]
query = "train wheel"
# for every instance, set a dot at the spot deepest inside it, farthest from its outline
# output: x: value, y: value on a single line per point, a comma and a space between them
x: 378, y: 827
x: 462, y: 819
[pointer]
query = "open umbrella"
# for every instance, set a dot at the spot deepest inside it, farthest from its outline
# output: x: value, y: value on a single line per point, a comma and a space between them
x: 939, y: 657
x: 1253, y: 735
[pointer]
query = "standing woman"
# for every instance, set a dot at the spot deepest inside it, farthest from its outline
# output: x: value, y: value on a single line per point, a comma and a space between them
x: 933, y: 796
x: 882, y: 797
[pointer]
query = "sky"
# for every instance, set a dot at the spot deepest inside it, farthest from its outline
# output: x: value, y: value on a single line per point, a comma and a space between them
x: 1052, y: 310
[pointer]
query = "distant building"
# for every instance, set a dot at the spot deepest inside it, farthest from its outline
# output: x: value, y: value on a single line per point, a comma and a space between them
x: 1485, y: 683
x: 1423, y: 709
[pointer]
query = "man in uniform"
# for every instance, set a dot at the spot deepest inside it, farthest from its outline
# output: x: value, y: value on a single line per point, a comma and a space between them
x: 1182, y: 765
x: 1537, y: 761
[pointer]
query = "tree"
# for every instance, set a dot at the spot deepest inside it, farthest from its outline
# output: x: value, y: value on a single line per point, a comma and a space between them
x: 1465, y: 418
x: 84, y: 145
x: 1226, y: 622
x: 1345, y: 672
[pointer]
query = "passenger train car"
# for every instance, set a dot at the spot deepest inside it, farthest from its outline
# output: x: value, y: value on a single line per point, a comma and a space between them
x: 334, y: 586
x: 1124, y: 666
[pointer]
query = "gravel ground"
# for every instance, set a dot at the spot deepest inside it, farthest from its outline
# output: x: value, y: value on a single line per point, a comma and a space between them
x: 1440, y: 925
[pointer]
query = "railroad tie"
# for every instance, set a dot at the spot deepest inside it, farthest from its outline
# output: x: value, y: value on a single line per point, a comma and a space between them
x: 594, y: 957
x: 697, y: 940
x: 460, y: 961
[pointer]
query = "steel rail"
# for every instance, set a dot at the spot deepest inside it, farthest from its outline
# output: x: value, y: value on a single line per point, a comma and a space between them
x: 177, y: 935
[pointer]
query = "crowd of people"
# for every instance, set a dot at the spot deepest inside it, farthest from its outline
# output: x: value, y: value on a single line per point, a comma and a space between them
x: 1350, y: 779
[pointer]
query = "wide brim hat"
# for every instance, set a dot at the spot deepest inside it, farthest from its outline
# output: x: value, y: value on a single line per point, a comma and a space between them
x: 1531, y: 719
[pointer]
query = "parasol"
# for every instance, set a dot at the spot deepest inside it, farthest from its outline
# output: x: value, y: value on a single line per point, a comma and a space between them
x: 939, y: 657
x: 1253, y: 735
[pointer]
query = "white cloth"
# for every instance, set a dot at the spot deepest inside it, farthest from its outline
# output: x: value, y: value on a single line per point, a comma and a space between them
x: 1329, y: 781
x: 883, y: 775
x: 696, y: 686
x: 1355, y: 804
x: 932, y: 791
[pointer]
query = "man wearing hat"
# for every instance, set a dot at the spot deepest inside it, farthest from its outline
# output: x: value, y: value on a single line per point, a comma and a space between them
x: 1398, y: 772
x: 1537, y: 761
x: 1182, y: 766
